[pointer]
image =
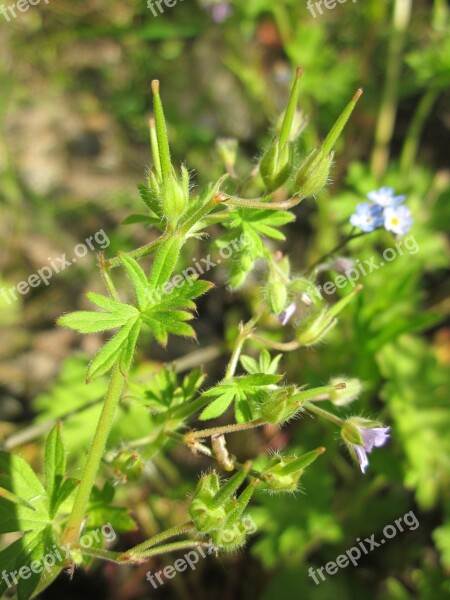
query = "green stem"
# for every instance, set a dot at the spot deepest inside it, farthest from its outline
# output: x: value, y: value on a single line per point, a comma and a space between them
x: 161, y: 537
x: 324, y: 413
x: 183, y: 545
x: 259, y: 204
x: 245, y: 331
x: 94, y: 457
x: 282, y: 347
x: 142, y: 251
x: 225, y: 429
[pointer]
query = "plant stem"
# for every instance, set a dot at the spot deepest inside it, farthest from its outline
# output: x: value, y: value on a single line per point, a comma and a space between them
x: 245, y: 331
x: 259, y: 204
x: 281, y: 346
x: 140, y: 252
x: 75, y: 522
x: 162, y: 536
x: 324, y: 413
x: 182, y: 545
x: 225, y: 429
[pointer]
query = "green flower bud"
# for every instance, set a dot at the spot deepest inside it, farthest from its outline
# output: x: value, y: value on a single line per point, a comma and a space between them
x: 229, y: 539
x: 206, y: 519
x: 308, y: 291
x: 201, y: 510
x: 351, y: 434
x: 282, y: 474
x: 345, y: 395
x: 276, y: 165
x: 278, y: 408
x: 276, y: 296
x: 315, y: 327
x: 321, y: 321
x: 174, y: 198
x: 313, y: 173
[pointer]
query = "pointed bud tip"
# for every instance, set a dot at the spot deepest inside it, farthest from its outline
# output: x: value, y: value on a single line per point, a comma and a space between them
x: 320, y: 450
x: 358, y: 288
x: 151, y: 122
x: 299, y: 72
x: 358, y: 94
x: 155, y: 86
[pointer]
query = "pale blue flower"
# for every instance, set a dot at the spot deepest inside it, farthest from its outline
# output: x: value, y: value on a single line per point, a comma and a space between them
x: 398, y: 219
x: 367, y: 217
x: 385, y: 197
x: 372, y: 438
x: 285, y: 316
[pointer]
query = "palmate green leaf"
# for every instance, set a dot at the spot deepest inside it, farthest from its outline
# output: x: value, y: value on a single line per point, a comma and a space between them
x: 19, y: 479
x: 239, y: 389
x: 262, y: 221
x: 151, y: 201
x: 138, y: 218
x: 218, y: 406
x: 168, y: 314
x: 126, y: 357
x: 164, y: 264
x: 54, y: 465
x: 121, y: 342
x: 84, y: 321
x: 24, y: 552
x: 138, y: 278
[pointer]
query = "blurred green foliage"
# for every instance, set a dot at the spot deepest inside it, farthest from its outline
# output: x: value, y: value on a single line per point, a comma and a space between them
x: 83, y: 70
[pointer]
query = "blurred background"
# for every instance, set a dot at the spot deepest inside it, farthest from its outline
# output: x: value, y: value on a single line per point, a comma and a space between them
x: 75, y: 104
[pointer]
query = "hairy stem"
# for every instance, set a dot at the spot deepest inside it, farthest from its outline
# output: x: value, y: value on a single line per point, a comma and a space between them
x: 94, y: 457
x: 162, y: 536
x: 324, y: 413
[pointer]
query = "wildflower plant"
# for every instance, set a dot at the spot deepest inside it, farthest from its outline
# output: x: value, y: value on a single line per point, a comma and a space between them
x: 252, y: 392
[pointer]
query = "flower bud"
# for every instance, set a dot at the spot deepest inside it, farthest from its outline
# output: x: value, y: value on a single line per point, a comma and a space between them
x: 282, y: 474
x: 204, y: 515
x: 315, y: 327
x: 313, y: 173
x: 173, y: 198
x: 276, y: 165
x: 341, y: 396
x: 277, y: 408
x: 276, y: 296
x: 229, y: 539
x: 351, y: 433
x: 320, y: 321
